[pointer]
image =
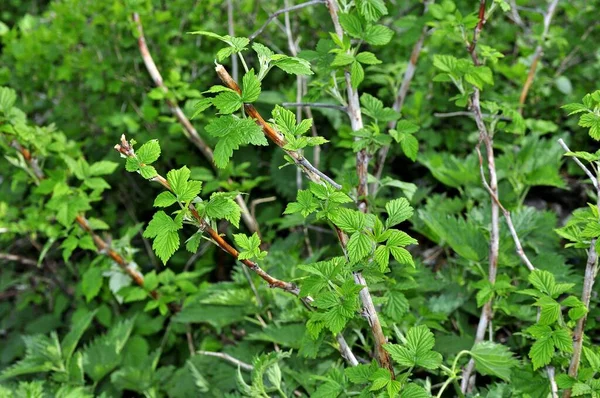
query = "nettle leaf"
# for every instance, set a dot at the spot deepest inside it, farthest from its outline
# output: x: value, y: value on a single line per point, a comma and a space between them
x: 233, y: 132
x: 493, y: 359
x: 417, y: 351
x: 163, y: 229
x: 250, y: 247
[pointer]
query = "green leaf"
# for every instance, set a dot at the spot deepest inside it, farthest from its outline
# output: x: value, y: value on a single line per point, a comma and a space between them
x: 250, y: 87
x: 91, y: 283
x: 342, y: 59
x: 227, y: 102
x: 164, y: 231
x: 221, y: 205
x: 250, y: 247
x: 351, y: 25
x: 292, y: 65
x: 357, y: 74
x: 359, y: 246
x: 349, y: 220
x: 417, y: 352
x: 305, y: 204
x: 378, y: 35
x: 372, y: 10
x: 367, y: 58
x: 493, y: 359
x: 70, y: 341
x: 541, y: 352
x: 148, y: 153
x: 164, y: 199
x: 398, y: 210
x: 102, y: 167
x: 233, y: 133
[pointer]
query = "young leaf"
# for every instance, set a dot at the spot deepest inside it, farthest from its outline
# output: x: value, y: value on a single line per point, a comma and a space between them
x: 164, y: 231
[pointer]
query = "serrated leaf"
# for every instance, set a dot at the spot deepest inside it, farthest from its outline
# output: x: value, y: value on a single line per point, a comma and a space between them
x: 398, y: 210
x: 149, y: 152
x: 359, y: 246
x: 164, y: 199
x: 493, y: 359
x: 250, y: 87
x: 233, y: 133
x: 541, y: 352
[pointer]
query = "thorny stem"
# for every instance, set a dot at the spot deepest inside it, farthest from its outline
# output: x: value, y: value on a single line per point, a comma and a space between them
x: 537, y: 54
x: 190, y: 132
x: 101, y: 245
x: 485, y: 137
x: 317, y: 176
x: 591, y: 270
x: 312, y: 172
x: 126, y: 150
x: 401, y: 97
x: 362, y: 166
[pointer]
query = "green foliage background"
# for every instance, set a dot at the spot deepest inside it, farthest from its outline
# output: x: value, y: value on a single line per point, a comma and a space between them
x: 72, y: 323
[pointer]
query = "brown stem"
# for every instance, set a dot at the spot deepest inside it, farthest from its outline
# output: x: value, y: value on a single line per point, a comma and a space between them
x: 537, y: 54
x: 190, y: 131
x: 125, y: 149
x: 311, y: 172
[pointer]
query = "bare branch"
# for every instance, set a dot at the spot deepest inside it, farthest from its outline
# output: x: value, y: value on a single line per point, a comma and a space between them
x: 227, y: 358
x: 553, y: 386
x: 18, y: 259
x: 190, y: 131
x: 313, y: 105
x: 484, y: 136
x: 400, y: 98
x: 281, y: 11
x: 537, y: 54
